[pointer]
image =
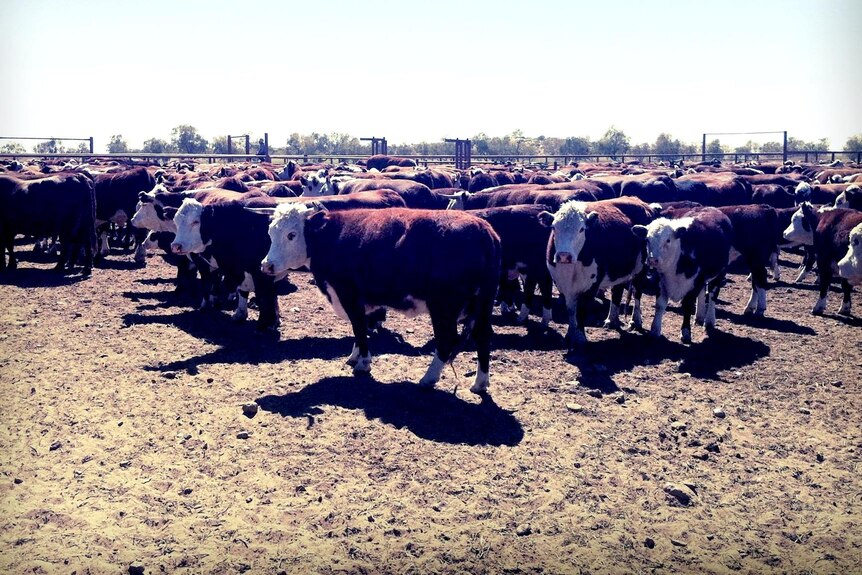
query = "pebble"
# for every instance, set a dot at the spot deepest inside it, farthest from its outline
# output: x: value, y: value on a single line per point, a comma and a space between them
x: 242, y: 435
x: 56, y: 445
x: 125, y: 464
x: 679, y: 543
x: 575, y: 407
x: 649, y: 543
x: 837, y: 383
x: 621, y: 399
x: 169, y: 375
x: 18, y: 481
x: 678, y: 426
x: 524, y: 530
x: 136, y: 568
x: 719, y: 413
x: 249, y: 409
x: 594, y: 393
x: 294, y: 309
x: 681, y: 494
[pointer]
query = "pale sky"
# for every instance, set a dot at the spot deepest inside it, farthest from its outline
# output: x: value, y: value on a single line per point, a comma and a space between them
x: 415, y: 71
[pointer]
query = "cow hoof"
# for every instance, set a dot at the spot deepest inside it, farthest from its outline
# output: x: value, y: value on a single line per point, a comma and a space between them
x: 759, y: 312
x: 844, y: 310
x: 363, y: 365
x: 86, y: 272
x: 427, y: 382
x: 608, y: 324
x: 685, y: 336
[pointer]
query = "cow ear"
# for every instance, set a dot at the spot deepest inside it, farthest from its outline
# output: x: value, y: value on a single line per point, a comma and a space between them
x: 546, y: 219
x: 317, y: 207
x: 640, y: 231
x: 592, y: 218
x: 303, y: 180
x: 680, y: 232
x: 170, y: 213
x: 144, y: 197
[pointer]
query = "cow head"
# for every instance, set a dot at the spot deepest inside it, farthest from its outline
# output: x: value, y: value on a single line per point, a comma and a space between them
x: 850, y: 266
x: 457, y: 201
x: 150, y: 213
x: 663, y: 242
x: 570, y: 226
x: 801, y: 228
x: 843, y: 199
x: 288, y: 250
x: 315, y: 185
x: 188, y: 236
x: 802, y: 192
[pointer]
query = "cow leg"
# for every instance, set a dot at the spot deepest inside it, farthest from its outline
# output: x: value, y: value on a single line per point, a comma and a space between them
x: 445, y: 325
x: 7, y: 244
x: 140, y: 248
x: 267, y: 301
x: 508, y: 288
x: 711, y: 297
x: 359, y: 358
x: 824, y: 275
x: 757, y: 303
x: 546, y: 288
x: 776, y: 268
x: 88, y: 257
x: 574, y: 335
x: 613, y: 319
x: 688, y: 304
x: 808, y: 257
x: 481, y: 334
x: 700, y: 307
x: 241, y: 311
x: 660, y: 308
x: 845, y: 304
x: 529, y: 291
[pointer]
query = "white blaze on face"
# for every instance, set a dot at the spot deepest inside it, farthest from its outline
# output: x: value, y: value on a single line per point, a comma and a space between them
x: 663, y: 243
x: 287, y: 250
x: 188, y: 221
x: 850, y: 266
x: 570, y: 227
x: 796, y: 231
x: 315, y: 185
x: 841, y: 200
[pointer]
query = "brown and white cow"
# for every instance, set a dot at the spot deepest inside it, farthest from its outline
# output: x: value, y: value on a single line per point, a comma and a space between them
x: 690, y: 255
x: 850, y: 198
x: 592, y: 248
x: 850, y: 266
x: 446, y: 264
x: 116, y: 198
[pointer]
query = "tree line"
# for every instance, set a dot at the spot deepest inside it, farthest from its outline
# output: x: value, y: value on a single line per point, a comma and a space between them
x: 614, y: 143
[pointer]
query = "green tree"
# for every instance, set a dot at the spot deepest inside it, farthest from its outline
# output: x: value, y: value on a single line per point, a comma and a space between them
x: 155, y: 146
x: 82, y: 148
x: 643, y: 149
x: 714, y: 150
x: 772, y: 147
x: 13, y: 148
x: 853, y: 143
x: 117, y: 145
x: 47, y: 147
x: 219, y: 145
x: 613, y: 143
x: 185, y: 139
x: 665, y: 144
x: 576, y: 146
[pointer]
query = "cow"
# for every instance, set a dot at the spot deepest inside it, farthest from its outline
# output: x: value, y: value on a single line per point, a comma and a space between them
x: 116, y: 198
x: 524, y: 240
x: 380, y: 161
x: 850, y: 266
x: 517, y: 194
x: 655, y: 189
x: 592, y: 248
x: 829, y: 233
x: 851, y: 198
x: 690, y: 255
x: 446, y: 264
x: 62, y: 205
x: 714, y: 189
x: 755, y: 231
x: 773, y: 195
x: 818, y: 193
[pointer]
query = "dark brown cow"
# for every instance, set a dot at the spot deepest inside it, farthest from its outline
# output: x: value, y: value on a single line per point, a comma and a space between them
x: 379, y: 162
x: 774, y: 195
x: 592, y: 248
x: 116, y: 198
x: 714, y: 189
x: 62, y: 205
x: 444, y: 263
x: 524, y: 240
x: 518, y: 194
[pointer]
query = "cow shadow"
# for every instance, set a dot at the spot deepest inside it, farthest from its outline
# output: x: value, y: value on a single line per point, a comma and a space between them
x: 242, y: 343
x: 116, y: 264
x: 765, y: 322
x: 40, y: 277
x: 431, y: 414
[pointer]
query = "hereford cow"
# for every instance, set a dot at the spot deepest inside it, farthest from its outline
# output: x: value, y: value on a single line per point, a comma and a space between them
x: 850, y: 198
x: 690, y: 255
x: 524, y: 240
x: 714, y: 189
x: 516, y: 195
x: 62, y: 205
x: 379, y: 162
x: 850, y: 266
x: 116, y: 198
x: 829, y: 233
x: 444, y: 263
x: 592, y: 248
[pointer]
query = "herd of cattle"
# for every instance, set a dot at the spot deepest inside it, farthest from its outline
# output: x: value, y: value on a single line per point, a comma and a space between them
x: 385, y: 233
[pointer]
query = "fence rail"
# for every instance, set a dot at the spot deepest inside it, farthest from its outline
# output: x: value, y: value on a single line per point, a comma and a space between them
x: 426, y: 159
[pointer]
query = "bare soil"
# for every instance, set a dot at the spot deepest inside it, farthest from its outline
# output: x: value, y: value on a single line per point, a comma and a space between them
x: 123, y: 439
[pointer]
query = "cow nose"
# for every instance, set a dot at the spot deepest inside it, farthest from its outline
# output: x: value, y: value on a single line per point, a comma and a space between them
x: 564, y: 258
x: 267, y: 268
x: 177, y: 248
x: 652, y: 262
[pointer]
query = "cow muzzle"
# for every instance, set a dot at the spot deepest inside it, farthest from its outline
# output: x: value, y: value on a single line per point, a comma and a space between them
x: 652, y: 262
x: 563, y: 258
x: 178, y: 249
x: 267, y: 268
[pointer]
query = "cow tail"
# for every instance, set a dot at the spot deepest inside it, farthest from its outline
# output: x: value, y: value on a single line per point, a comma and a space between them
x: 481, y: 306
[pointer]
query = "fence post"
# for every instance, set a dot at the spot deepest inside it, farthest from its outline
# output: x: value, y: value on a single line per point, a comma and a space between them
x: 229, y: 145
x: 703, y: 149
x: 91, y: 144
x: 785, y: 146
x: 266, y: 146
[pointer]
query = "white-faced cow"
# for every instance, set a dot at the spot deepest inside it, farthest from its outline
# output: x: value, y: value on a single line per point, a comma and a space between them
x: 850, y: 266
x: 446, y: 264
x: 690, y: 255
x: 592, y: 248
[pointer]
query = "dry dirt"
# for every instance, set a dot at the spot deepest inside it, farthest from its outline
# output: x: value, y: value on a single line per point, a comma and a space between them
x: 121, y: 426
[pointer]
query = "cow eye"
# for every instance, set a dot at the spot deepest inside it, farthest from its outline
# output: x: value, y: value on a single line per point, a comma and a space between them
x: 291, y: 236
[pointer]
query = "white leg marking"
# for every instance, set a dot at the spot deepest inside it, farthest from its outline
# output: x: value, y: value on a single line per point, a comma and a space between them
x: 613, y: 319
x: 482, y: 382
x: 140, y: 253
x: 761, y: 302
x: 660, y: 307
x: 845, y: 308
x: 700, y: 307
x: 353, y: 358
x: 709, y: 320
x: 803, y: 273
x: 752, y: 301
x: 241, y: 311
x: 525, y: 312
x: 432, y: 376
x: 820, y: 306
x: 363, y: 365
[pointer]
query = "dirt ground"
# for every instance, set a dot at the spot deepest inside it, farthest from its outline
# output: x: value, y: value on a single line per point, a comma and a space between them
x: 123, y: 440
